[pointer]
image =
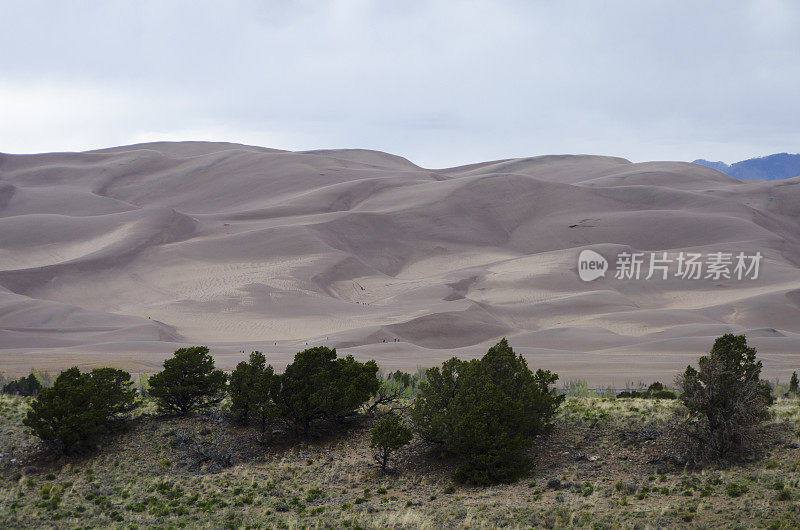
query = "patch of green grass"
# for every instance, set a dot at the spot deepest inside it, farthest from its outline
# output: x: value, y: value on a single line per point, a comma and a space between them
x: 314, y: 494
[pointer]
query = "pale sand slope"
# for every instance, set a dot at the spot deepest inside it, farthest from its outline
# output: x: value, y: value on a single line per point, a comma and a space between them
x: 122, y: 255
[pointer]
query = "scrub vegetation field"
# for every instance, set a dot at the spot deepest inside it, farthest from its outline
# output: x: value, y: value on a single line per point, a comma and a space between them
x: 332, y: 443
x: 599, y: 468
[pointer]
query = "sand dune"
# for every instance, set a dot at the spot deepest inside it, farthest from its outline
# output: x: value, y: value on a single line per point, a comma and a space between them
x: 119, y: 256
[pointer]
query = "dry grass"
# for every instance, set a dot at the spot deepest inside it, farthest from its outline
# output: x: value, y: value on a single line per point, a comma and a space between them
x: 602, y: 452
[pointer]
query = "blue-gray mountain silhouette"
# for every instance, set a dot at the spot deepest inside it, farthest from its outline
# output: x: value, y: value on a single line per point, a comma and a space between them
x: 771, y: 167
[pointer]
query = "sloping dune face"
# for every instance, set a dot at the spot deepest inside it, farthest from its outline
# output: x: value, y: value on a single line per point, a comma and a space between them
x: 121, y: 255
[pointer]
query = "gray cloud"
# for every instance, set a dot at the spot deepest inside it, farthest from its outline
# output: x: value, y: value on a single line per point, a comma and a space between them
x: 442, y: 83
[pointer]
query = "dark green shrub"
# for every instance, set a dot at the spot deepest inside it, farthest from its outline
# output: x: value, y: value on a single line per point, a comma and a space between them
x: 388, y: 435
x: 734, y: 489
x: 487, y: 412
x: 188, y: 382
x: 663, y: 394
x: 727, y: 403
x: 794, y: 384
x: 353, y: 383
x: 404, y: 378
x: 253, y: 387
x: 114, y: 393
x: 24, y: 386
x: 659, y: 391
x: 317, y: 385
x: 71, y: 415
x: 654, y: 391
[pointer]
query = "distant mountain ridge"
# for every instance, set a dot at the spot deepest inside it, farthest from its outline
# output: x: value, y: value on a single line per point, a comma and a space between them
x: 770, y: 167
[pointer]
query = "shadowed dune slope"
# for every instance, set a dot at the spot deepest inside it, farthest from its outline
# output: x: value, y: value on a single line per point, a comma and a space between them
x: 124, y: 254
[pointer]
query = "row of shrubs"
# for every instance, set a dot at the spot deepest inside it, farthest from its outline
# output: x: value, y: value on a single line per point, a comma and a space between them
x: 24, y: 386
x: 487, y: 412
x: 654, y: 391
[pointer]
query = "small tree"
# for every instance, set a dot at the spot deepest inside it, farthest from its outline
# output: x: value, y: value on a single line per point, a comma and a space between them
x: 404, y: 379
x: 115, y: 393
x: 353, y: 384
x: 387, y: 437
x: 24, y: 386
x: 317, y: 385
x: 72, y: 414
x: 189, y: 382
x: 794, y: 384
x: 487, y: 412
x: 262, y: 406
x: 240, y: 387
x: 253, y: 388
x: 727, y: 402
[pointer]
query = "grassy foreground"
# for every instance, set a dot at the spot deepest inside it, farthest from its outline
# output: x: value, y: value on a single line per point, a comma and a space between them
x: 600, y: 468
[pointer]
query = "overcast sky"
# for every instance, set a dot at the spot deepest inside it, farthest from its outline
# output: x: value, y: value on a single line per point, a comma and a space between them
x: 441, y: 83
